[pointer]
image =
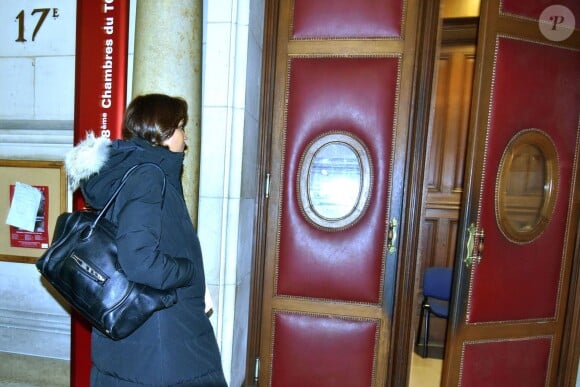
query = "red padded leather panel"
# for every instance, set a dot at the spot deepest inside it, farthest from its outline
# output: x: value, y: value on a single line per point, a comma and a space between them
x: 534, y: 8
x: 515, y: 363
x: 347, y: 18
x: 356, y: 95
x: 323, y: 351
x: 536, y: 86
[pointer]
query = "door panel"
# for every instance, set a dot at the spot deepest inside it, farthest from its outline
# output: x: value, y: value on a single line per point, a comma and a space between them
x: 307, y: 346
x: 347, y: 19
x: 548, y: 75
x: 533, y: 9
x: 354, y: 96
x: 520, y: 362
x: 343, y: 76
x: 512, y: 286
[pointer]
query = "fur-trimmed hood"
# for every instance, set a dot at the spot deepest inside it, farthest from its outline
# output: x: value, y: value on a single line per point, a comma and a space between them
x: 96, y: 165
x: 86, y: 159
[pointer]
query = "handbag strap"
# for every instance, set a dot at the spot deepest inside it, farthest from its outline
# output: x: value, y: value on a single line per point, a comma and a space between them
x: 114, y: 195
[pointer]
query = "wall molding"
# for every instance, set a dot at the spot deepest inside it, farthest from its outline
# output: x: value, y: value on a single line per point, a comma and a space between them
x: 35, y: 139
x: 36, y: 334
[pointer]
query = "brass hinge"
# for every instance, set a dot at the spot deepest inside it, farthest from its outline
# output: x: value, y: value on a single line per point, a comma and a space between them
x: 392, y: 236
x: 257, y: 370
x: 267, y: 186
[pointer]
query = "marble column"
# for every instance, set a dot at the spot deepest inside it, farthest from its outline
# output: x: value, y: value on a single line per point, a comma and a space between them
x: 167, y: 59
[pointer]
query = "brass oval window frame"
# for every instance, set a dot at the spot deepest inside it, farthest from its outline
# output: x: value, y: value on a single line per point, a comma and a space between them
x: 540, y: 140
x: 305, y: 201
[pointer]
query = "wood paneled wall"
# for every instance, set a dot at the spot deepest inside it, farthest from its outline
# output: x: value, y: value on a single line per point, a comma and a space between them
x: 444, y: 170
x: 445, y: 166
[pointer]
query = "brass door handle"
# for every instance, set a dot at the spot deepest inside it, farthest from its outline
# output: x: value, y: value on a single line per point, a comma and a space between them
x: 474, y: 246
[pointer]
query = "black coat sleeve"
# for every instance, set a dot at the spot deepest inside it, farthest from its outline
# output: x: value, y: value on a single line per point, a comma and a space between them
x: 139, y: 230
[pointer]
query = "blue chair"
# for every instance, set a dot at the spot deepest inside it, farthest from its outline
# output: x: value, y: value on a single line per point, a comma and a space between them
x: 437, y: 282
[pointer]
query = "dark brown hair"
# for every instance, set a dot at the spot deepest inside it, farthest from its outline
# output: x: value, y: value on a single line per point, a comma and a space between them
x: 154, y: 117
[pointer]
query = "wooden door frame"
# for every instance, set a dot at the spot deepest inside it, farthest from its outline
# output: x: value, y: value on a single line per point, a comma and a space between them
x: 455, y: 31
x: 441, y: 202
x: 260, y: 220
x: 570, y: 354
x: 427, y: 52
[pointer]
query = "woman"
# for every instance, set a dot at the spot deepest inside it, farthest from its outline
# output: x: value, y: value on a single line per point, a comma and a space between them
x: 157, y: 246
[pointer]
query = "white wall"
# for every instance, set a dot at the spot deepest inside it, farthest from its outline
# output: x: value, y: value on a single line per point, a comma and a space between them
x: 36, y: 113
x: 232, y: 51
x: 37, y: 78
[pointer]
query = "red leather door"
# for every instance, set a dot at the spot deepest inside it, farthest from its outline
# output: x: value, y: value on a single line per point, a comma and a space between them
x: 513, y: 274
x: 340, y: 116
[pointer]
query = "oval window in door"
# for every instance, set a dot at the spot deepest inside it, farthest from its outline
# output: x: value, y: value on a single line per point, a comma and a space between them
x: 334, y: 181
x: 526, y: 186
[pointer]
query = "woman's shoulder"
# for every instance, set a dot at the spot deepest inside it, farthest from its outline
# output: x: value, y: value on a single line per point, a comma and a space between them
x: 145, y: 179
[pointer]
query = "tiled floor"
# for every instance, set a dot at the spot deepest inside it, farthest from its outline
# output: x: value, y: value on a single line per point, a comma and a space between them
x: 50, y: 373
x: 425, y: 372
x: 29, y: 371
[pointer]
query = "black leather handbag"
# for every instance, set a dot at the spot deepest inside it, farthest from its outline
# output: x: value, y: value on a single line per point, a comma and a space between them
x: 81, y: 264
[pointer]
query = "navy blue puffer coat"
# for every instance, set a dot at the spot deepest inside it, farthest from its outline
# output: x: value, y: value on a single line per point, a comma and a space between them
x: 158, y: 246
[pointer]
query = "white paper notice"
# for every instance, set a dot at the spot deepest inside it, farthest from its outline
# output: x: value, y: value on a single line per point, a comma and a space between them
x: 24, y: 207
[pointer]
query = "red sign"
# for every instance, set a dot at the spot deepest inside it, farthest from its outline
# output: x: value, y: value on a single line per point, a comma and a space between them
x: 100, y: 101
x: 101, y: 67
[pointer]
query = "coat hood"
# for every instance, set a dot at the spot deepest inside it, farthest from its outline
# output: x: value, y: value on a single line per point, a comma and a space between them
x: 86, y: 159
x: 97, y: 165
